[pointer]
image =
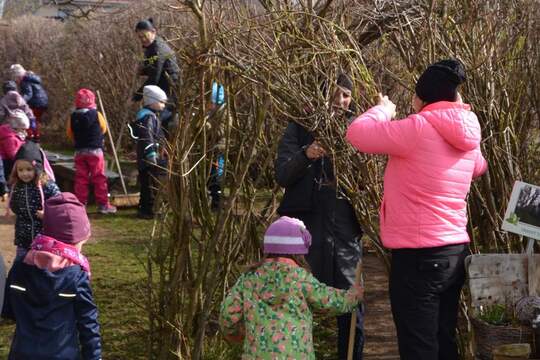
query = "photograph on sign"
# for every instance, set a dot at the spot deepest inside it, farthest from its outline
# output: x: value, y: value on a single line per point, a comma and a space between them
x: 523, y: 212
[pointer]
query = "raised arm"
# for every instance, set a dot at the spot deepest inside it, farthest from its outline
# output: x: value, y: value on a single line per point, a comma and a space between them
x: 373, y: 132
x: 327, y: 298
x: 480, y: 165
x: 291, y: 163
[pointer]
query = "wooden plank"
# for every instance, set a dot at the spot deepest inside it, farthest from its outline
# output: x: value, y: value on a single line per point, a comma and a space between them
x: 123, y: 201
x: 58, y: 158
x: 501, y: 278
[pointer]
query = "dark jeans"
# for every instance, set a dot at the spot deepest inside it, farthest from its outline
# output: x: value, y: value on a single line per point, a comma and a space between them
x: 333, y: 256
x: 425, y: 285
x: 148, y: 181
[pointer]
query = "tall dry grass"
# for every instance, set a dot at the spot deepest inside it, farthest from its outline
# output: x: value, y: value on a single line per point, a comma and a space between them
x: 100, y: 52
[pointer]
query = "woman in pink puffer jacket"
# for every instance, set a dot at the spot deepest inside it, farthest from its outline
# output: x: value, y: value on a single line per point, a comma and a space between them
x: 434, y: 155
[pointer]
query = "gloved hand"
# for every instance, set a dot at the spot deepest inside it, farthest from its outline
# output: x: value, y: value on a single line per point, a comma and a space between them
x: 152, y: 158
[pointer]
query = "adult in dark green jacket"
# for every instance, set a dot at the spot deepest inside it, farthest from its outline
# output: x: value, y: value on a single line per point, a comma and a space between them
x: 160, y: 68
x: 306, y: 173
x: 159, y: 63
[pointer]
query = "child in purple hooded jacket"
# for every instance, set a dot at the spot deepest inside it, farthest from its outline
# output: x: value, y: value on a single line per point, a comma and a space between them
x: 48, y: 292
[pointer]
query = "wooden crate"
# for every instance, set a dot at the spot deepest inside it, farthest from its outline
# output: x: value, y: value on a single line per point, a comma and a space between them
x: 501, y: 279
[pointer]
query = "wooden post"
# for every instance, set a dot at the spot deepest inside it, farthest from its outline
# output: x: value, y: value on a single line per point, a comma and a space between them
x: 112, y: 144
x: 352, y: 329
x: 530, y: 246
x: 533, y: 273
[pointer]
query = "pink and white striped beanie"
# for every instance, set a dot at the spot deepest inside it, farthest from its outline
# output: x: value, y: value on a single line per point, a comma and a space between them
x: 287, y: 236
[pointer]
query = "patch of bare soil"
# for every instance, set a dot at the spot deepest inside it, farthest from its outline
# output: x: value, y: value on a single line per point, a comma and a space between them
x: 381, y: 339
x: 7, y: 230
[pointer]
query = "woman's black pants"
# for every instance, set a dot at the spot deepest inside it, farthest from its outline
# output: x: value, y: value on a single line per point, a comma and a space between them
x: 425, y: 287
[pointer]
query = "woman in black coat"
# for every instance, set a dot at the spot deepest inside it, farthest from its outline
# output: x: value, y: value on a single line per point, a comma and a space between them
x: 159, y: 64
x: 306, y: 173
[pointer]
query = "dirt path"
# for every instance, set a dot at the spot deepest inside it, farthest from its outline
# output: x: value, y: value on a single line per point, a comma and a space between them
x: 381, y: 340
x: 7, y: 249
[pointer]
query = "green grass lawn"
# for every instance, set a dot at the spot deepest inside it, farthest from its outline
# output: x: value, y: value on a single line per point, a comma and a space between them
x: 118, y: 276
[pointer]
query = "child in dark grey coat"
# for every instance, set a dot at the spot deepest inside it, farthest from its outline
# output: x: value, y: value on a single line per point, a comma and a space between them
x: 31, y: 186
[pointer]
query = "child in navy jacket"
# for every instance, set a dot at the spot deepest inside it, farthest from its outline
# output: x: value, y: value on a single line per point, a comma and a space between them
x: 32, y: 91
x: 48, y: 292
x: 146, y: 129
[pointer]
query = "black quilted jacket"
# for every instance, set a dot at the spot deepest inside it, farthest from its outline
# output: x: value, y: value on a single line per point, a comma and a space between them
x: 26, y: 200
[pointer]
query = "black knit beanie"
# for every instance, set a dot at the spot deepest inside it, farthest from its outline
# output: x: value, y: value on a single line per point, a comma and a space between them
x: 9, y: 86
x: 144, y: 25
x: 30, y: 151
x: 440, y: 80
x: 345, y: 81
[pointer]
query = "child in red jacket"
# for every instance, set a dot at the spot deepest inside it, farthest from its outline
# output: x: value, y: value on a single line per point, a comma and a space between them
x: 87, y: 127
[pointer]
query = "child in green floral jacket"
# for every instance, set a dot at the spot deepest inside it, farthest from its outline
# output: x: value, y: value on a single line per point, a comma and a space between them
x: 270, y: 306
